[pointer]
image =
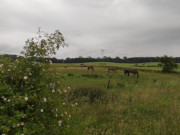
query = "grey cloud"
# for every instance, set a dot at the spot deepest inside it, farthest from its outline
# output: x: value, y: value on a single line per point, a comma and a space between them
x: 8, y: 49
x: 120, y: 27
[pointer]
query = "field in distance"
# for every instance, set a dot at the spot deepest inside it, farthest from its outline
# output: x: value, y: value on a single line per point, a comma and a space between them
x: 149, y: 104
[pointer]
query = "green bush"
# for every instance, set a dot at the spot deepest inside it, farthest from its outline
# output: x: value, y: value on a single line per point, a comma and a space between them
x: 31, y: 98
x: 167, y: 63
x: 90, y: 95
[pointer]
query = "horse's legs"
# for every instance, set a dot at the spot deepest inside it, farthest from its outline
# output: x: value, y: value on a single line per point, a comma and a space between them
x: 137, y: 75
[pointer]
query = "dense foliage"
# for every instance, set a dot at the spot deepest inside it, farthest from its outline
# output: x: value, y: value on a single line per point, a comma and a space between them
x: 167, y: 64
x: 31, y: 96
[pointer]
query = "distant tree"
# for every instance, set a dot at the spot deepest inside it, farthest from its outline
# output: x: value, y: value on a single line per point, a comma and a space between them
x: 80, y: 57
x: 167, y: 63
x: 125, y: 59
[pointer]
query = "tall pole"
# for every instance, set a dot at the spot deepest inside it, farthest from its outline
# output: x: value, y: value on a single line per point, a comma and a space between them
x: 102, y: 51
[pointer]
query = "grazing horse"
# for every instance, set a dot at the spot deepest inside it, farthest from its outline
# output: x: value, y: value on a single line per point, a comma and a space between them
x: 127, y: 71
x: 112, y: 69
x: 91, y: 67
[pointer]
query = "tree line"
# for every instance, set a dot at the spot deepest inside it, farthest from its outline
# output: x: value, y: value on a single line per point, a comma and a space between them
x: 81, y: 59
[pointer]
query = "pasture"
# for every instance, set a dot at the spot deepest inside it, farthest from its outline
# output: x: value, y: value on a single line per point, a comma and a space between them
x: 148, y: 105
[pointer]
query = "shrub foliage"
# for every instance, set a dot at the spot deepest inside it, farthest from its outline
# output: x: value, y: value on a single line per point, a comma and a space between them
x: 31, y: 97
x: 167, y: 63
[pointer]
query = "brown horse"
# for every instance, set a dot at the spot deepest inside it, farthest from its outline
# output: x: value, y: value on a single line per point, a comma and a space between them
x: 112, y: 69
x: 91, y: 67
x: 127, y: 71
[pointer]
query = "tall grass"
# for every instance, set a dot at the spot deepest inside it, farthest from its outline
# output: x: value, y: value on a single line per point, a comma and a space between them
x: 146, y: 105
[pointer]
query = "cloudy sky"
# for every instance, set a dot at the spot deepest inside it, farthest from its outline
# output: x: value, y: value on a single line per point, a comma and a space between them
x: 132, y: 28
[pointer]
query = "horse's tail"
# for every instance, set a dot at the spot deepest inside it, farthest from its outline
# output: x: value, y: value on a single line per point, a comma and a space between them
x: 125, y: 72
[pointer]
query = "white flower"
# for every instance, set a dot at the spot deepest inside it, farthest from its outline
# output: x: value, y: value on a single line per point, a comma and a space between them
x: 76, y: 103
x: 1, y: 65
x: 18, y: 125
x: 56, y: 110
x: 42, y: 110
x: 26, y: 98
x: 22, y: 123
x: 4, y: 99
x: 64, y: 103
x: 56, y: 115
x: 25, y: 77
x: 60, y: 122
x: 53, y: 91
x: 9, y: 70
x: 30, y: 73
x: 9, y: 100
x: 45, y: 99
x: 69, y: 88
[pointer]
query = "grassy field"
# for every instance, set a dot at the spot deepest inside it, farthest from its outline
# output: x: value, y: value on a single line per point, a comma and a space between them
x: 147, y: 105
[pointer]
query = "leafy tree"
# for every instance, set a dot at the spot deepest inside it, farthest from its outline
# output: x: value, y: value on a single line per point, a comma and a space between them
x: 167, y: 63
x: 31, y: 97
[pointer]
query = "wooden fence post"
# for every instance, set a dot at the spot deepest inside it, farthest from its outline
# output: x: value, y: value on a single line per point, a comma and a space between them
x: 108, y: 83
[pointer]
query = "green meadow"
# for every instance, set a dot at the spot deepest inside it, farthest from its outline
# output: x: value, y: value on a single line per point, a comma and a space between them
x: 148, y: 105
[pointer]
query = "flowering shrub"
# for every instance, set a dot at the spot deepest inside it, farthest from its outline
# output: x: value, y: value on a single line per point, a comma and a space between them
x: 31, y: 97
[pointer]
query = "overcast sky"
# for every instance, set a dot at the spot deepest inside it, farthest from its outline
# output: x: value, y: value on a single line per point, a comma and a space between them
x: 132, y: 28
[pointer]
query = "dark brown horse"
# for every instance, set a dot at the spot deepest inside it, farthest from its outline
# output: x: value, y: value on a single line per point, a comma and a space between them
x: 112, y: 69
x: 91, y: 67
x: 127, y: 71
